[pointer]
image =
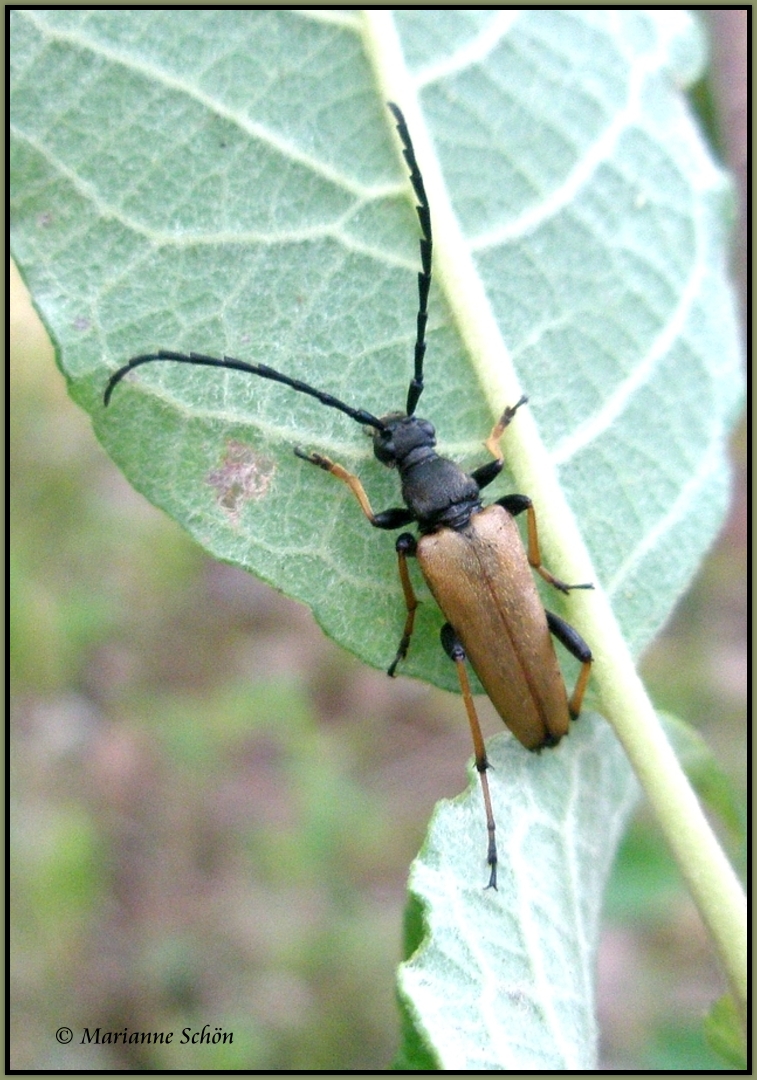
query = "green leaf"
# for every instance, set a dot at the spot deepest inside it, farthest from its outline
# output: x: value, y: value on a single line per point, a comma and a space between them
x: 504, y: 980
x: 724, y: 1032
x: 230, y: 182
x: 179, y: 182
x: 708, y: 778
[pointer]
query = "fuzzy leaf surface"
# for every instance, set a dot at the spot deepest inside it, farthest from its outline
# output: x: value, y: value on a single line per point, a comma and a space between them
x: 229, y: 181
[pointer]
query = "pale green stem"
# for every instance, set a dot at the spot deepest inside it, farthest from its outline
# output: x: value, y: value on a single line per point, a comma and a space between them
x: 711, y: 880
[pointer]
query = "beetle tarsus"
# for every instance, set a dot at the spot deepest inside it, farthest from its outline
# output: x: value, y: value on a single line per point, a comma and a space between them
x: 492, y: 861
x: 314, y: 459
x: 561, y: 585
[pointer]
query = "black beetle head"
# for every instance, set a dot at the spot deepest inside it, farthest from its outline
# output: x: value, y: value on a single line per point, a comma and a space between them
x: 401, y: 437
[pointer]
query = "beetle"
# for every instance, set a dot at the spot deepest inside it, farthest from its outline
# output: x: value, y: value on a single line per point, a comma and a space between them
x: 471, y: 557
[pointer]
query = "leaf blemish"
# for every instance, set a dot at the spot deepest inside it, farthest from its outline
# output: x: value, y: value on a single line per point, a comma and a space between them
x: 242, y: 475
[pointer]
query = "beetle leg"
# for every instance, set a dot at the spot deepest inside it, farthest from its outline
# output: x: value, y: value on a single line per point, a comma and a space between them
x: 516, y: 504
x: 405, y: 547
x: 484, y: 474
x: 455, y: 651
x: 394, y: 518
x: 492, y: 443
x: 577, y: 647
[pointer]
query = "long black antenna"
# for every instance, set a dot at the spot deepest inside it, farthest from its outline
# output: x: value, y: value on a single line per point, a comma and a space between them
x: 424, y: 284
x: 263, y: 370
x: 426, y: 244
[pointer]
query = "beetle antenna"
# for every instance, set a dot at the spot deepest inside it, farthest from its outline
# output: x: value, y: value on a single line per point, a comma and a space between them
x: 265, y: 372
x: 426, y: 244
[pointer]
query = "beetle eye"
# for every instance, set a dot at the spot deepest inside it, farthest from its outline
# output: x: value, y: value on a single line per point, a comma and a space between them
x: 383, y: 446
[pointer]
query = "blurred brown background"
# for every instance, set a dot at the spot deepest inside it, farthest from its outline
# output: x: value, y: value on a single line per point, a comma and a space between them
x: 214, y: 808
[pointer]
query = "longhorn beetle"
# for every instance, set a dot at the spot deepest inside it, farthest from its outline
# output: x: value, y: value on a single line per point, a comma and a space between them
x: 471, y: 556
